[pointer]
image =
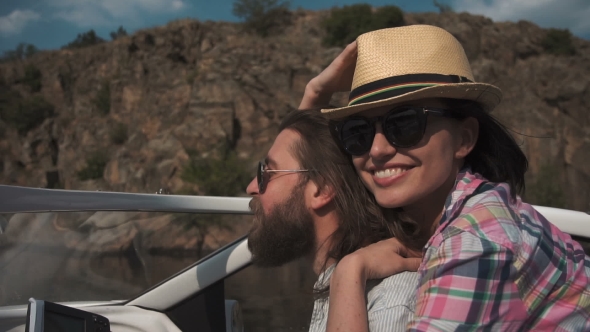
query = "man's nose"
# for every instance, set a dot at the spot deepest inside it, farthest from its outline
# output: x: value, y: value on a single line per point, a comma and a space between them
x: 252, y: 188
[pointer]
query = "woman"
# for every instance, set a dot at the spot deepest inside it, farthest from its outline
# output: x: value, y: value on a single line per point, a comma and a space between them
x: 421, y: 138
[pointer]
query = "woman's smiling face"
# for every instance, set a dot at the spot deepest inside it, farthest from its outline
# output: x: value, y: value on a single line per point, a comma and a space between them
x: 420, y: 177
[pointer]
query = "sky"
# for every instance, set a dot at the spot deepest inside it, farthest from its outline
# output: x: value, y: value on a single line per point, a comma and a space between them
x: 50, y: 24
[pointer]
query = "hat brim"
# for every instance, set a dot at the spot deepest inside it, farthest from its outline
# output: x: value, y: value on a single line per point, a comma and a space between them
x: 487, y: 95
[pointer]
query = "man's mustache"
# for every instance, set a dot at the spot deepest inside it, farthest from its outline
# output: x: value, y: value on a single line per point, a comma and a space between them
x: 255, y: 206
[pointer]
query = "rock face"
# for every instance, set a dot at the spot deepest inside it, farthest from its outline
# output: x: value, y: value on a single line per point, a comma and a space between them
x: 190, y: 87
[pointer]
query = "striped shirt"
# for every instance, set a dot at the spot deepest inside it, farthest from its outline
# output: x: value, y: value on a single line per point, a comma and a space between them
x: 496, y: 264
x: 390, y: 302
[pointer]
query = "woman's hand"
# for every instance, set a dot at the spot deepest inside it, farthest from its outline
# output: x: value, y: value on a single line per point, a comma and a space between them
x: 381, y: 259
x: 335, y: 78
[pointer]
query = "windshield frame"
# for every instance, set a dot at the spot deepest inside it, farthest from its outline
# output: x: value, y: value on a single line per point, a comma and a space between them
x: 14, y: 199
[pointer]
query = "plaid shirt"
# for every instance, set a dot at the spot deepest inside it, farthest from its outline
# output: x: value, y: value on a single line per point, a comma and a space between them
x: 496, y: 264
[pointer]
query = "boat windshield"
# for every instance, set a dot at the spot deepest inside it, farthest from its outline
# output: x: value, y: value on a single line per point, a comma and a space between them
x: 103, y: 255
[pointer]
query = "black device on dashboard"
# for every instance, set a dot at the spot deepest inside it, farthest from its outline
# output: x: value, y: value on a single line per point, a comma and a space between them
x: 44, y: 316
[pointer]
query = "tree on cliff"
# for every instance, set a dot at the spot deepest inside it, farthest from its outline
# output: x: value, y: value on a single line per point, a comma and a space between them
x: 264, y: 17
x: 21, y: 52
x: 442, y: 7
x: 346, y: 23
x: 121, y: 32
x: 85, y: 39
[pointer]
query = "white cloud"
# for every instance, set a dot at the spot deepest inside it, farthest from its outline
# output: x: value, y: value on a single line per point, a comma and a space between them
x: 88, y: 13
x: 14, y: 22
x: 177, y: 4
x: 83, y: 16
x: 571, y: 14
x: 118, y: 8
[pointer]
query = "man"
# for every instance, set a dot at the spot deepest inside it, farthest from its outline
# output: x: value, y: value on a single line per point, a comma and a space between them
x: 309, y: 202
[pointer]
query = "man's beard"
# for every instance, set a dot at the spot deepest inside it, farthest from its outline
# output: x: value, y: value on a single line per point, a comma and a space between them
x: 285, y: 234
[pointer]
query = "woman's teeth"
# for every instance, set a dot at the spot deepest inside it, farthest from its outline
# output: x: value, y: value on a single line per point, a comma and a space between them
x: 389, y: 172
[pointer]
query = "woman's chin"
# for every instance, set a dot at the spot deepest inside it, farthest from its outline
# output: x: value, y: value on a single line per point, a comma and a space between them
x: 388, y: 203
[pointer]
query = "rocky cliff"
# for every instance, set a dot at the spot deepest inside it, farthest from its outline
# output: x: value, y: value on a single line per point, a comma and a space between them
x: 144, y: 104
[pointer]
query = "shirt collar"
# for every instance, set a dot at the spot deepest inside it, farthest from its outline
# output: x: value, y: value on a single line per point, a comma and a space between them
x: 465, y: 186
x: 324, y: 277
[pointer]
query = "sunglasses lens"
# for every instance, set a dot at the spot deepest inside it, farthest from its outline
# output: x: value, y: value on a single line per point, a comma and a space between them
x: 356, y: 136
x: 404, y: 128
x: 260, y: 178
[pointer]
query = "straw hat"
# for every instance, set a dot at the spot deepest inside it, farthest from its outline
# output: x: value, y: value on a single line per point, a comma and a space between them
x: 405, y: 64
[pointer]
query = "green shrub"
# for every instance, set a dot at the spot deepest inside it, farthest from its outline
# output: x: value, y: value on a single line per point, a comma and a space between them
x: 85, y: 39
x: 264, y: 17
x: 118, y: 133
x: 21, y: 52
x: 442, y: 7
x: 345, y: 24
x: 387, y: 17
x: 121, y: 32
x: 23, y: 114
x: 95, y: 165
x: 223, y: 176
x: 32, y: 78
x: 544, y: 188
x: 559, y: 42
x: 102, y: 101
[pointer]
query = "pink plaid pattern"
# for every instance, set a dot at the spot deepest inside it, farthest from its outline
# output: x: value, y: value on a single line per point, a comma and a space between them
x: 495, y: 263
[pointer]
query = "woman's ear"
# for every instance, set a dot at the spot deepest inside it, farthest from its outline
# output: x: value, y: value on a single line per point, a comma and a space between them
x: 468, y: 134
x: 319, y: 196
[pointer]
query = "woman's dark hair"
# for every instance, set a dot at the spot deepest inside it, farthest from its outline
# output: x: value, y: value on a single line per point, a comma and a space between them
x: 361, y: 220
x: 496, y: 154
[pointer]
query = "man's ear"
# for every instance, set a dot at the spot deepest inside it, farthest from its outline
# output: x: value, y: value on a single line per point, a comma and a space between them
x: 469, y: 132
x: 319, y: 196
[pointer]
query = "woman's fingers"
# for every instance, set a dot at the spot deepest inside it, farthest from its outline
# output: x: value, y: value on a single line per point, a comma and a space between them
x: 412, y: 264
x: 338, y: 75
x: 334, y: 78
x: 388, y: 257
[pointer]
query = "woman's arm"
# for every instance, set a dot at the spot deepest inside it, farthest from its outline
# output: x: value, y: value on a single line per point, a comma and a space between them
x: 336, y: 77
x: 348, y: 308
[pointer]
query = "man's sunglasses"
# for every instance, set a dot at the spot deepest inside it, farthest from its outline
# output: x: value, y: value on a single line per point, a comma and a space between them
x: 263, y: 176
x: 403, y: 127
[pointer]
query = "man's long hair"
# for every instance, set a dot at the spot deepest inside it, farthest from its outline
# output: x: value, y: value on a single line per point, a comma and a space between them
x: 361, y: 220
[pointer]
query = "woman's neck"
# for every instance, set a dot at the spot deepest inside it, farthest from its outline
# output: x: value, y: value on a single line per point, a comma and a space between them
x: 429, y: 211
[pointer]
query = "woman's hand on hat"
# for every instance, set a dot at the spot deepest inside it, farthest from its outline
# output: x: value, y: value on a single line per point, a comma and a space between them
x: 335, y: 78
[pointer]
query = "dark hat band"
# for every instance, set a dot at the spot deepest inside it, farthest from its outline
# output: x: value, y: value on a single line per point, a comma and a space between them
x: 399, y: 85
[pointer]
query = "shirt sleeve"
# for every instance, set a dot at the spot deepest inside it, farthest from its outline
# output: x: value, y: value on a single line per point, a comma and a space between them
x: 467, y: 284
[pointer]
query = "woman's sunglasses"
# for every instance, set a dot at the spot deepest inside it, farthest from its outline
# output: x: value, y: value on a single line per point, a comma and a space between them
x: 403, y: 127
x: 263, y: 176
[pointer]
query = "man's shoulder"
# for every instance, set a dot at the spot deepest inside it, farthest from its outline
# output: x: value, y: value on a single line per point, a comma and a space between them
x: 400, y: 280
x: 396, y: 290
